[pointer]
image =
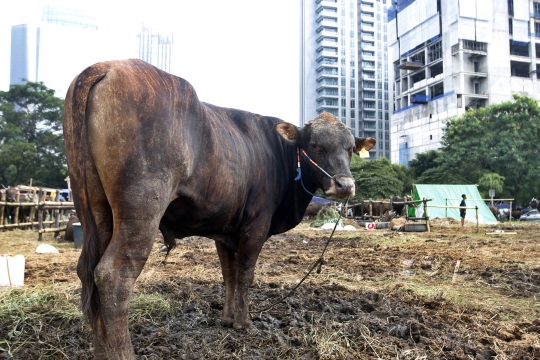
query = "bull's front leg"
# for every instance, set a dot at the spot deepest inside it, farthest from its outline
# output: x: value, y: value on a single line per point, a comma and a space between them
x: 228, y: 269
x: 246, y: 259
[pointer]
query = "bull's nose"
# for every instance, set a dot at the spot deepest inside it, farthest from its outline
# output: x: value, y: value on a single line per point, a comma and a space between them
x: 344, y: 185
x: 341, y: 187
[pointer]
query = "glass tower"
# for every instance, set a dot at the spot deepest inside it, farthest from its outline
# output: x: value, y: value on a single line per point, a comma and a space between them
x: 344, y: 66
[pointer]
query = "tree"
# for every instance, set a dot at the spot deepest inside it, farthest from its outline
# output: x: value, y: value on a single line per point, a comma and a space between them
x: 375, y: 178
x: 503, y: 139
x: 425, y: 161
x: 491, y: 181
x: 405, y: 176
x: 31, y: 139
x: 441, y: 175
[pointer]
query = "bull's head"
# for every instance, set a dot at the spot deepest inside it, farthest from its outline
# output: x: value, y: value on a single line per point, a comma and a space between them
x: 330, y: 144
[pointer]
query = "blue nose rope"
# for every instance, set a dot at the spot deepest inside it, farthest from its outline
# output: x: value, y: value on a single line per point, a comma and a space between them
x: 299, y: 169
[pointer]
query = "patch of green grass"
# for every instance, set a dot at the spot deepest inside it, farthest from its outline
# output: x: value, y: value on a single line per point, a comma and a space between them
x: 151, y: 306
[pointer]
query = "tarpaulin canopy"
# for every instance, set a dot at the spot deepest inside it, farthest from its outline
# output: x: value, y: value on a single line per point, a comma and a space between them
x: 450, y: 195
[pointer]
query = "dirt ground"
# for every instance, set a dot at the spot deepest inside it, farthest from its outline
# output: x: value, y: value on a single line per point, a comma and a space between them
x: 380, y: 295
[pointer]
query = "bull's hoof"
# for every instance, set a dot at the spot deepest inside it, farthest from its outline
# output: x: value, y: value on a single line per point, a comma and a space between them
x: 244, y: 325
x: 227, y: 322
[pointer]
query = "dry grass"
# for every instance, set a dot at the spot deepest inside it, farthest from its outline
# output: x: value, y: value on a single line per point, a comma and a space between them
x: 380, y: 295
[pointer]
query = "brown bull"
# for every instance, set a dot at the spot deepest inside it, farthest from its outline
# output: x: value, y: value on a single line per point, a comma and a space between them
x: 145, y: 154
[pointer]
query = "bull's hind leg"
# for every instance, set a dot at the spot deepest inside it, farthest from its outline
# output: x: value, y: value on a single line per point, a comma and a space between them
x: 115, y: 277
x: 228, y: 269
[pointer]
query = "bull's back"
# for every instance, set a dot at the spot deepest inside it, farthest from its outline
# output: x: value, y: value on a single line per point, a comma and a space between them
x: 141, y: 120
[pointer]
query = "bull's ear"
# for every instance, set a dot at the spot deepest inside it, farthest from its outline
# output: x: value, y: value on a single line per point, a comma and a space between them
x: 360, y: 143
x: 288, y: 131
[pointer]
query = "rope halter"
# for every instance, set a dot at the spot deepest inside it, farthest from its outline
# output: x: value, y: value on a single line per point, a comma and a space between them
x: 299, y: 169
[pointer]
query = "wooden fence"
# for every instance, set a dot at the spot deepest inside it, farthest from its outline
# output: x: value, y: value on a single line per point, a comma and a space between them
x: 45, y: 211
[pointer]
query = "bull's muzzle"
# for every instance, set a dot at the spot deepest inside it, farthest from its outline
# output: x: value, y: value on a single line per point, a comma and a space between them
x: 341, y: 187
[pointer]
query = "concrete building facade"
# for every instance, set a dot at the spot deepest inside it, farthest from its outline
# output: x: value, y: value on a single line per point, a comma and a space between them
x: 449, y: 56
x: 38, y: 49
x: 344, y: 66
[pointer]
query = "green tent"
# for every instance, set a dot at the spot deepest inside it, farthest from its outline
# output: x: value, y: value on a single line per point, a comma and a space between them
x: 450, y: 195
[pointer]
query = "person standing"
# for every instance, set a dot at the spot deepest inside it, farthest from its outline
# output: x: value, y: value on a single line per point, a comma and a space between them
x: 462, y: 210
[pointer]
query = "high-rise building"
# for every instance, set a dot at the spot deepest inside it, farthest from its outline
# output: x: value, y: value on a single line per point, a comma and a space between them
x: 155, y: 48
x: 55, y: 49
x: 344, y: 66
x: 449, y: 56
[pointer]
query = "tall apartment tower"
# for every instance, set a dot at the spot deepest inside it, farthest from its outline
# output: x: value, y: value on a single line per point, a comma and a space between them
x: 449, y: 56
x: 155, y: 48
x: 344, y: 66
x: 53, y: 49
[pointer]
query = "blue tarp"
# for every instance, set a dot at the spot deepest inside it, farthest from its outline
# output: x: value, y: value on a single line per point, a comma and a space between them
x: 321, y: 200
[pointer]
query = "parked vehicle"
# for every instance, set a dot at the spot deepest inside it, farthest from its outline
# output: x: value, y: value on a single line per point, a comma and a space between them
x: 533, y: 215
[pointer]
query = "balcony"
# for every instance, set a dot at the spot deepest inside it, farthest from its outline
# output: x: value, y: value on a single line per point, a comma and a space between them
x: 327, y: 23
x: 327, y: 104
x: 366, y: 18
x: 369, y: 47
x: 326, y: 66
x: 326, y: 84
x: 326, y: 54
x: 419, y: 99
x: 327, y: 33
x: 327, y: 74
x: 327, y: 5
x: 369, y: 115
x: 368, y: 37
x: 326, y: 44
x: 369, y: 106
x: 535, y: 15
x: 327, y: 94
x: 327, y: 15
x: 471, y: 47
x: 368, y: 27
x: 368, y: 57
x: 369, y: 9
x: 368, y: 85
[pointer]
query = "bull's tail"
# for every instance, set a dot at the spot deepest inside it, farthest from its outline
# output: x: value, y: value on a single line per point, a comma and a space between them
x: 79, y: 163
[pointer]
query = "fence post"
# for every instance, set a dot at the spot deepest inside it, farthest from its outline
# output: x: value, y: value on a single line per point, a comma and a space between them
x: 33, y: 209
x: 57, y: 212
x: 510, y: 212
x: 17, y: 200
x: 446, y: 210
x: 2, y: 208
x: 477, y: 227
x: 40, y: 215
x: 426, y: 214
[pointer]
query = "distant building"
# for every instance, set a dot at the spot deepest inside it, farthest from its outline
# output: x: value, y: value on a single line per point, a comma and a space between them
x: 345, y: 66
x: 55, y: 49
x: 155, y: 48
x: 448, y: 56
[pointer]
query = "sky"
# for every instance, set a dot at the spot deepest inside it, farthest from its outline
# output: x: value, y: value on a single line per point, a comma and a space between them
x: 243, y: 54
